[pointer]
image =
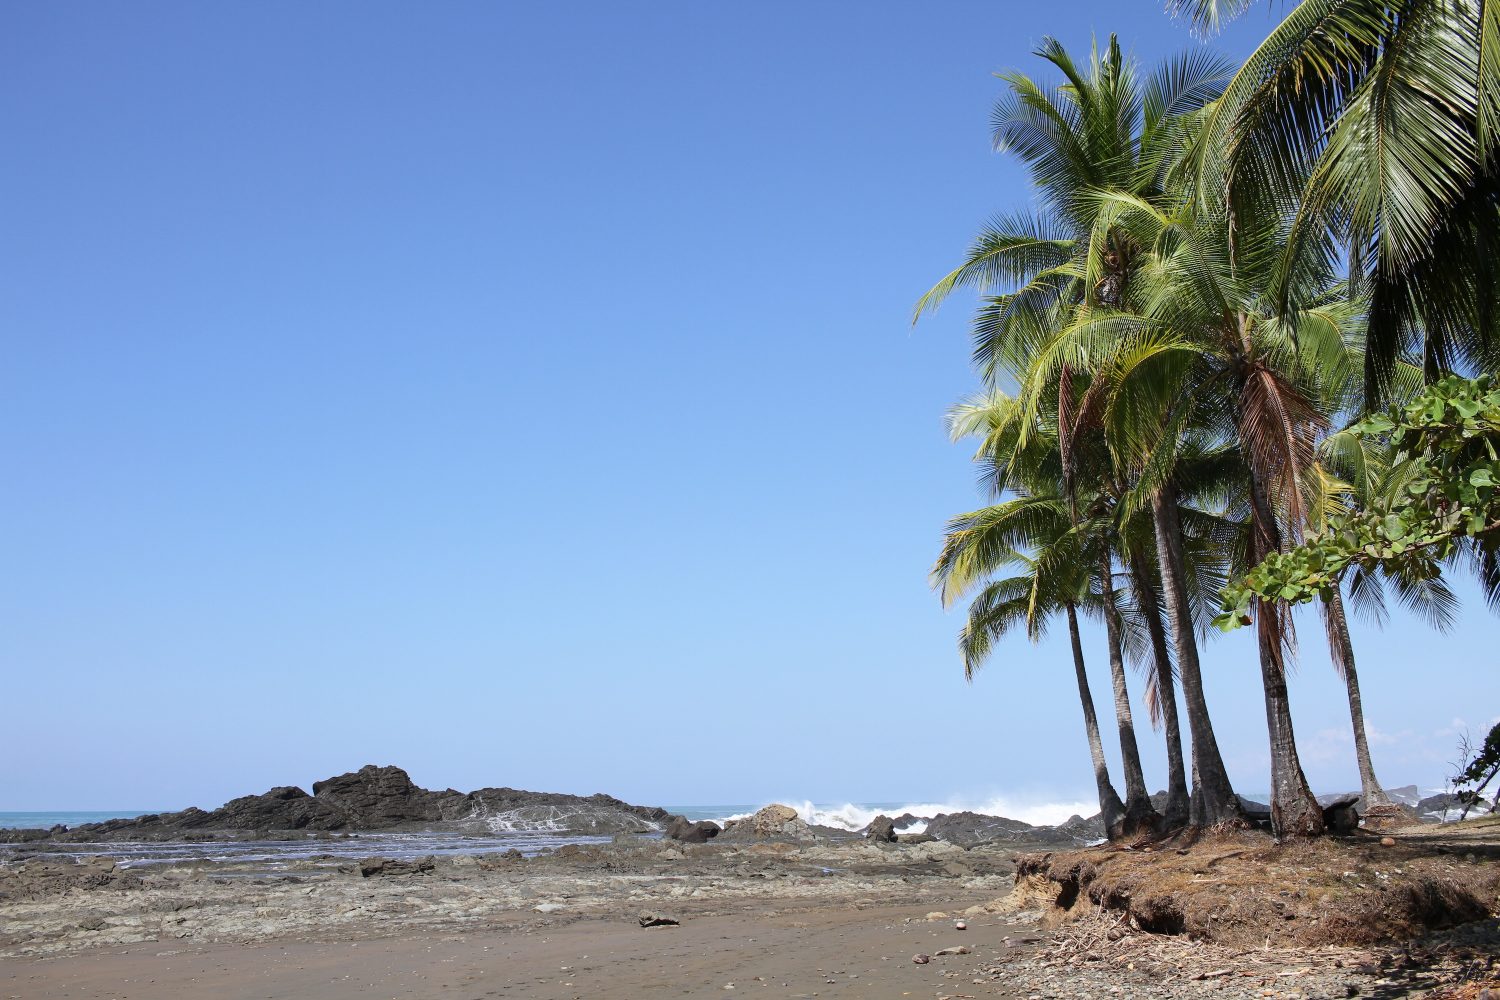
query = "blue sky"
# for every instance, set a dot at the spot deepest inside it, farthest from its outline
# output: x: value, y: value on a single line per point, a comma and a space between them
x: 526, y: 395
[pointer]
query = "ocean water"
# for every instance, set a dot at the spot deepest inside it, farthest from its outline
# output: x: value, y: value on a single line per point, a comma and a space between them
x: 47, y: 820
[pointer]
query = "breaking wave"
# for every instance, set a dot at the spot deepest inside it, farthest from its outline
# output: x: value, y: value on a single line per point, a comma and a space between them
x: 857, y: 815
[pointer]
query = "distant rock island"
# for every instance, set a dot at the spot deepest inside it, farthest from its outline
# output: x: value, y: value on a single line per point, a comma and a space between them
x: 373, y: 799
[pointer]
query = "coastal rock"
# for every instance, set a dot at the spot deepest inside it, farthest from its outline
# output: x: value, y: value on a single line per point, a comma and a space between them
x: 372, y: 799
x: 389, y: 868
x: 966, y: 829
x: 376, y: 797
x: 1258, y: 813
x: 26, y: 835
x: 969, y: 829
x: 505, y: 809
x: 882, y: 829
x: 1446, y: 806
x: 39, y: 877
x: 774, y: 821
x: 1083, y: 831
x: 282, y: 808
x: 1339, y: 815
x: 689, y: 832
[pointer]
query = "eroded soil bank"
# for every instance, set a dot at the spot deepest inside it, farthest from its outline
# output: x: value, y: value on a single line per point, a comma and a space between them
x: 1243, y: 889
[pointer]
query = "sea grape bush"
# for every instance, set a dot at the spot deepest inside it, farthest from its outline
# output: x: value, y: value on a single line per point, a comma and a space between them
x: 1444, y: 443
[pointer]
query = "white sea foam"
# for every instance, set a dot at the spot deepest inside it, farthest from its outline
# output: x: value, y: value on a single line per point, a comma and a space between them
x: 856, y: 816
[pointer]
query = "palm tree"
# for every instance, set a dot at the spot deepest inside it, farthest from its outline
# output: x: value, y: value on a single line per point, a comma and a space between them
x: 1366, y: 473
x: 1161, y: 687
x: 1103, y: 128
x: 1033, y: 533
x: 1049, y: 582
x: 1207, y: 348
x: 1380, y: 122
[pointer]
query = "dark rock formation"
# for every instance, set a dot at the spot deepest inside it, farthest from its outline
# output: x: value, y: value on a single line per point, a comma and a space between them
x: 392, y: 868
x: 1084, y: 831
x: 512, y: 809
x: 969, y: 828
x: 1339, y: 815
x: 882, y: 829
x: 689, y: 832
x: 372, y: 798
x: 378, y: 797
x: 1258, y: 813
x: 283, y: 808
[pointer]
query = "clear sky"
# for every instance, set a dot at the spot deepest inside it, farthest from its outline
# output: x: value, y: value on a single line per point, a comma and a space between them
x: 526, y: 394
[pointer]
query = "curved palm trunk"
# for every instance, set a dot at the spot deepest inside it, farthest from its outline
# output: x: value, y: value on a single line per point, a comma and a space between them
x: 1140, y: 816
x: 1176, y: 812
x: 1111, y: 809
x: 1294, y: 810
x: 1213, y: 801
x: 1342, y: 646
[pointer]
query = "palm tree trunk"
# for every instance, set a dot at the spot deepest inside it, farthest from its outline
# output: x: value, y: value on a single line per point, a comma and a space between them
x: 1294, y: 810
x: 1213, y: 802
x: 1111, y: 809
x: 1176, y: 812
x: 1339, y: 641
x: 1140, y: 816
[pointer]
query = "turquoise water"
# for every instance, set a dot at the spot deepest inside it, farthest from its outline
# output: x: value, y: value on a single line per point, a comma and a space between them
x: 46, y: 820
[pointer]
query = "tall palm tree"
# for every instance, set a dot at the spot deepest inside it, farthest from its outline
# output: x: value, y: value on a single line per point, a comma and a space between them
x: 1161, y: 686
x: 1206, y: 347
x: 1033, y: 533
x: 1367, y: 473
x: 1103, y: 128
x: 1380, y: 121
x: 1049, y: 582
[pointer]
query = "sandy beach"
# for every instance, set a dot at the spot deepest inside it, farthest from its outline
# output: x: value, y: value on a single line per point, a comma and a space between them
x: 812, y: 919
x: 828, y: 951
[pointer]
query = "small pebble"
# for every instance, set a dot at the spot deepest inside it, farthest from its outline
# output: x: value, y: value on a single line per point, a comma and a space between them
x: 921, y: 959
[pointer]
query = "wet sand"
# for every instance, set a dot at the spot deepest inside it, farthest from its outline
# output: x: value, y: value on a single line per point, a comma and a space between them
x: 826, y: 951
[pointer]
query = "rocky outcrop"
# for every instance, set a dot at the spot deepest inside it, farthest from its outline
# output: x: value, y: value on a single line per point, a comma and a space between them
x: 969, y: 828
x: 882, y: 830
x: 380, y: 797
x: 52, y: 876
x: 775, y: 821
x: 1445, y: 805
x: 396, y: 868
x: 1083, y: 831
x: 689, y: 832
x: 501, y: 809
x: 373, y: 799
x: 1339, y: 814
